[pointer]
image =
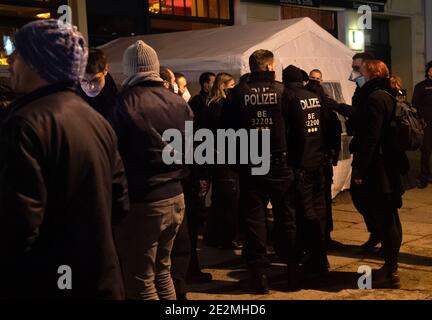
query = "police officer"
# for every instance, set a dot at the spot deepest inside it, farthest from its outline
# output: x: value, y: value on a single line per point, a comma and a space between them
x: 307, y: 156
x: 333, y: 146
x: 256, y: 104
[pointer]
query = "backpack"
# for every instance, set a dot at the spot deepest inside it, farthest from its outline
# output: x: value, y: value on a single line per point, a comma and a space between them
x: 408, y: 125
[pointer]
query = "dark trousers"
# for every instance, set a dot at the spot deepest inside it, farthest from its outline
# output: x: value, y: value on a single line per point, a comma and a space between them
x: 222, y: 223
x: 312, y: 212
x: 193, y: 206
x: 426, y: 153
x: 382, y: 211
x: 180, y: 258
x: 278, y: 186
x: 328, y: 174
x: 359, y: 204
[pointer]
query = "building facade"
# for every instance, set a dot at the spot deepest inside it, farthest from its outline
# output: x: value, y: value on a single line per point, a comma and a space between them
x: 400, y: 33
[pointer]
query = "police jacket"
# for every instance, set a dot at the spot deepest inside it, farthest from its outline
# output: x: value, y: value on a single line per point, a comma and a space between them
x: 331, y: 123
x: 306, y: 129
x: 144, y: 112
x: 257, y: 104
x: 422, y: 99
x: 62, y: 182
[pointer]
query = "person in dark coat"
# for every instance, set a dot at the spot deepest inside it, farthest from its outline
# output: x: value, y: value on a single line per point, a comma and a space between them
x: 98, y: 88
x: 223, y: 220
x: 352, y: 113
x: 333, y: 145
x: 306, y: 154
x: 199, y: 103
x: 6, y: 97
x: 422, y: 101
x: 145, y: 112
x: 62, y: 181
x: 378, y: 165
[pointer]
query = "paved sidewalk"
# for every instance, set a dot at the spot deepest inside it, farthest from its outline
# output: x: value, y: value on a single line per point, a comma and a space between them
x: 415, y: 261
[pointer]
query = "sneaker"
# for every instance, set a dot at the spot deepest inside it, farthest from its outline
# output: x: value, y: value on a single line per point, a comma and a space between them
x: 384, y: 279
x: 372, y: 242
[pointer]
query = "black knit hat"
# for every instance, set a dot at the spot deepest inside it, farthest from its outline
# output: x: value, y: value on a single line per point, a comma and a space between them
x: 292, y: 74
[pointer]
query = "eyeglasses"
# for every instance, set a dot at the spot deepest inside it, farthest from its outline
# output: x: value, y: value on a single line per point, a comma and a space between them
x: 92, y: 83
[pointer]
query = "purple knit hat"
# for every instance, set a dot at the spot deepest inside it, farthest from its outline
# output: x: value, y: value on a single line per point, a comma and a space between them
x: 57, y: 52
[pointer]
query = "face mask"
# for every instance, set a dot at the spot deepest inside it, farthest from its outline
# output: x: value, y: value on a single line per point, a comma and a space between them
x: 187, y: 96
x: 175, y: 88
x: 354, y: 76
x: 361, y: 81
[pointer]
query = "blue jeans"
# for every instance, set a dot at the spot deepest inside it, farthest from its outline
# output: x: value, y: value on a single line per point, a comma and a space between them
x: 145, y: 242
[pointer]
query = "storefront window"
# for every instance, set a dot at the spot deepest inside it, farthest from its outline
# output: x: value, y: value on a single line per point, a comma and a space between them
x: 213, y: 9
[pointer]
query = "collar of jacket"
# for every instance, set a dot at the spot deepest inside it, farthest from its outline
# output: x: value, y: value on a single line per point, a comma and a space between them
x: 376, y: 84
x: 262, y: 76
x: 40, y: 93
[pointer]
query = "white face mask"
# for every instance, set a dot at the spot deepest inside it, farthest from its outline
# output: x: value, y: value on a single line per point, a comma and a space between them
x: 187, y: 96
x: 354, y: 76
x: 175, y: 88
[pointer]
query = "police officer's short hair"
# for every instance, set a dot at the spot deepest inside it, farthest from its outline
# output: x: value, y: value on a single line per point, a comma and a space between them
x: 205, y: 78
x: 365, y: 56
x: 97, y: 61
x: 316, y: 71
x: 260, y: 59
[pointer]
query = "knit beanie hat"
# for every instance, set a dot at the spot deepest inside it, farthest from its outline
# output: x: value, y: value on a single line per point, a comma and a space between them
x: 140, y: 58
x: 56, y: 51
x: 292, y: 74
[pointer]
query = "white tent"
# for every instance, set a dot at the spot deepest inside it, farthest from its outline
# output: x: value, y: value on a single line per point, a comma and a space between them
x: 301, y: 42
x: 297, y: 41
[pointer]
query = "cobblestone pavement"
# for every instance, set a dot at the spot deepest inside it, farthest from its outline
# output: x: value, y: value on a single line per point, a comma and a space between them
x: 341, y: 284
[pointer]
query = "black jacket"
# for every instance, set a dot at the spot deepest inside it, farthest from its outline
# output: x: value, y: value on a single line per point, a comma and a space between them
x: 376, y: 155
x: 144, y: 112
x: 62, y: 182
x: 258, y: 104
x: 306, y: 141
x: 199, y: 106
x: 105, y: 102
x: 331, y: 124
x: 422, y: 99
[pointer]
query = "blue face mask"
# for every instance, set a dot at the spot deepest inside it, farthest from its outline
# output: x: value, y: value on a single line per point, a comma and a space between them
x: 361, y: 81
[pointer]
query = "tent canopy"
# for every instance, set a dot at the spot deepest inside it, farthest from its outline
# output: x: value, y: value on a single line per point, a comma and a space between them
x: 301, y: 42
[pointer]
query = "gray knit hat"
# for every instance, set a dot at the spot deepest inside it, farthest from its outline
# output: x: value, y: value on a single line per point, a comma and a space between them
x: 56, y: 52
x: 140, y: 57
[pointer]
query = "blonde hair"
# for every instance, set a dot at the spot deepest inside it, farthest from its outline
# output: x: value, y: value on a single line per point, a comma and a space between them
x: 217, y: 93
